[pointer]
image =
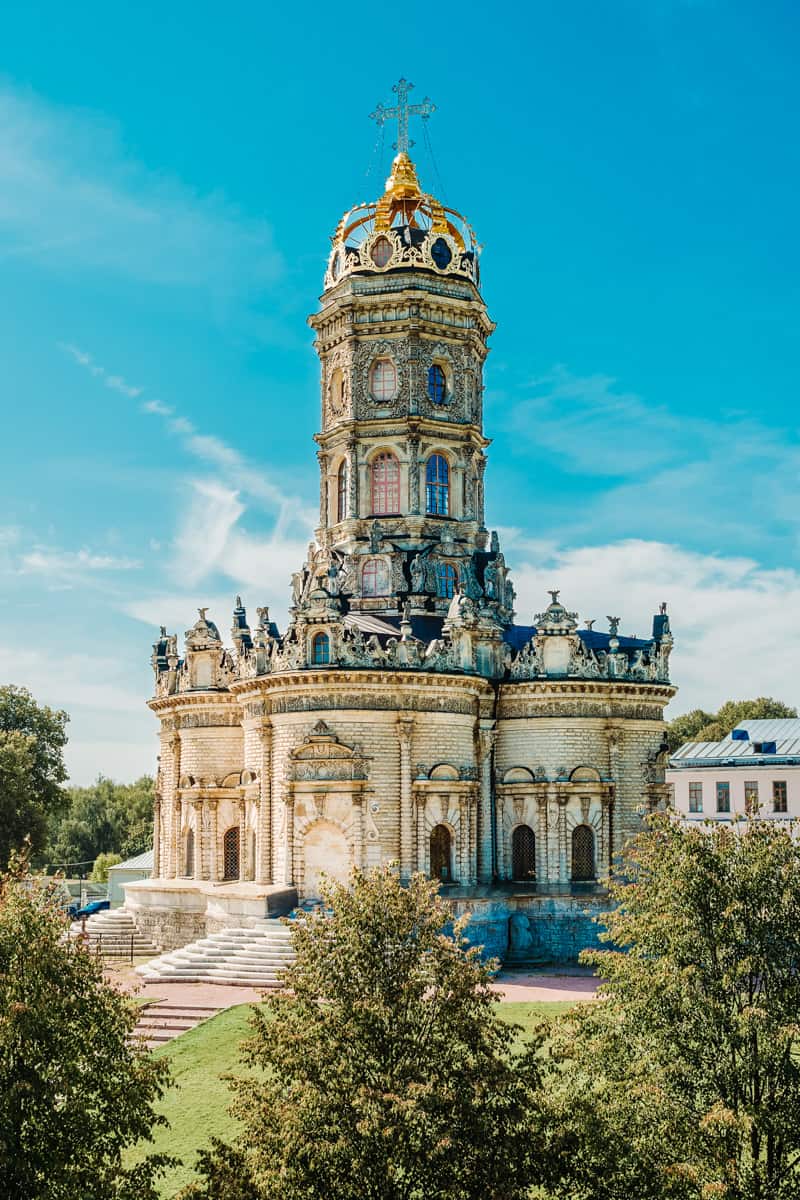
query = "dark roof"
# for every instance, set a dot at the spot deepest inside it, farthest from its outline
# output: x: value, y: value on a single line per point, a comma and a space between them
x: 517, y: 636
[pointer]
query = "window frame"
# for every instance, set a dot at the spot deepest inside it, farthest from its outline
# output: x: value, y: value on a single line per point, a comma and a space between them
x: 320, y: 639
x: 379, y: 570
x: 780, y: 795
x: 722, y: 790
x: 433, y: 383
x: 342, y: 490
x: 437, y: 488
x: 381, y: 491
x: 447, y: 577
x: 389, y: 396
x: 696, y: 800
x: 751, y: 800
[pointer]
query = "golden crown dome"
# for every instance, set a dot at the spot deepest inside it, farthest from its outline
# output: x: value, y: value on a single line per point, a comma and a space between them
x: 405, y: 228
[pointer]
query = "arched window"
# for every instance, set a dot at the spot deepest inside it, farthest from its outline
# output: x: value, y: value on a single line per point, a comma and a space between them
x: 320, y: 650
x: 375, y: 577
x: 230, y: 853
x: 437, y: 486
x: 188, y: 863
x: 583, y: 868
x: 385, y: 474
x: 437, y: 384
x: 383, y: 380
x: 342, y: 483
x: 441, y: 867
x: 523, y: 853
x: 381, y: 251
x: 447, y: 576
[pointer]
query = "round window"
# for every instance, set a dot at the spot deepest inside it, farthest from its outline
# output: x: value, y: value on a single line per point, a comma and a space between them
x: 441, y: 253
x: 437, y: 384
x: 381, y: 252
x: 384, y: 380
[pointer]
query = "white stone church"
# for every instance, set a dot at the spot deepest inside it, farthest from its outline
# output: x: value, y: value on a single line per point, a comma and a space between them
x: 404, y: 715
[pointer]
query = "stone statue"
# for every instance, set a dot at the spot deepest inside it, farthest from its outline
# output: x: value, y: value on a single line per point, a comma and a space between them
x: 263, y: 617
x: 418, y: 574
x: 494, y: 544
x: 613, y: 625
x: 490, y: 580
x: 375, y: 537
x: 297, y: 587
x: 519, y: 933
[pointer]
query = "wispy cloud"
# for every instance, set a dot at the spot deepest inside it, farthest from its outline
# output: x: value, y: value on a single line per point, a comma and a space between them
x: 45, y: 560
x: 116, y: 382
x: 72, y: 197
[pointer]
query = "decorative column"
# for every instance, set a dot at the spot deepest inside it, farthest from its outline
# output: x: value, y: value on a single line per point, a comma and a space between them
x: 479, y: 505
x: 552, y: 834
x: 614, y: 754
x: 242, y: 840
x: 213, y: 869
x: 176, y: 838
x: 405, y: 731
x: 358, y: 829
x: 421, y: 831
x: 413, y: 475
x: 197, y: 865
x: 542, y: 865
x: 487, y: 738
x: 156, y: 871
x: 263, y: 870
x: 502, y: 865
x: 473, y: 835
x: 563, y: 867
x: 288, y: 859
x: 322, y: 459
x: 352, y: 479
x: 604, y: 856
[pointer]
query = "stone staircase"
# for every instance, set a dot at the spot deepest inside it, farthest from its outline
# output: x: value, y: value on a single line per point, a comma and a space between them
x: 253, y: 957
x: 113, y: 932
x: 161, y: 1021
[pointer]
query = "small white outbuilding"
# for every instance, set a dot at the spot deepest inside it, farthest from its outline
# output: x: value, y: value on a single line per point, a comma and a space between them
x: 140, y: 867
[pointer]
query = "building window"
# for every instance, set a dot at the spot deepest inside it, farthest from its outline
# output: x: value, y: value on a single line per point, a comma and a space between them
x: 375, y: 577
x: 523, y: 853
x: 583, y: 854
x: 437, y: 486
x: 230, y: 853
x: 320, y: 650
x: 385, y: 485
x: 695, y: 797
x: 381, y: 252
x: 441, y: 254
x: 441, y: 841
x: 342, y: 486
x: 723, y: 797
x: 437, y: 384
x: 447, y: 576
x: 383, y: 384
x: 779, y: 799
x: 751, y: 797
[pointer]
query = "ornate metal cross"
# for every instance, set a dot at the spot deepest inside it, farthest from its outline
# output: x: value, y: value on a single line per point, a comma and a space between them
x: 403, y: 110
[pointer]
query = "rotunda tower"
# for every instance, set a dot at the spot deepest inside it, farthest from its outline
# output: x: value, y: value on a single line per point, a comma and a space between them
x: 402, y: 336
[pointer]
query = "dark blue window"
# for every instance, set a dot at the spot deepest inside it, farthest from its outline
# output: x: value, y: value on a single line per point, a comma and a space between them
x: 441, y: 253
x: 320, y: 650
x: 437, y: 384
x: 448, y: 579
x: 437, y: 485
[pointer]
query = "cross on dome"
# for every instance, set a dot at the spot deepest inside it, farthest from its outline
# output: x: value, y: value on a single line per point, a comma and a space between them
x: 402, y: 110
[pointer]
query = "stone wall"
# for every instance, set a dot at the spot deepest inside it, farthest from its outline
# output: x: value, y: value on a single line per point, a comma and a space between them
x: 546, y: 929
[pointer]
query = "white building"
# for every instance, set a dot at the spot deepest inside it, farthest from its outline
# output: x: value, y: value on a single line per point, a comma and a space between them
x: 755, y: 769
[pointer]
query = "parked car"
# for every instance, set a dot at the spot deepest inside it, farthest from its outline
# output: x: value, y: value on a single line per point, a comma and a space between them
x: 76, y: 913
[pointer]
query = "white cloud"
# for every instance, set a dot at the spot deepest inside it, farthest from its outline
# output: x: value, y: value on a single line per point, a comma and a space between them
x: 733, y: 620
x: 201, y: 540
x: 72, y: 196
x: 44, y: 560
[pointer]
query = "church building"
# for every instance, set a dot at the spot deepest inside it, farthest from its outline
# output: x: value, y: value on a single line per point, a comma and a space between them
x: 406, y: 714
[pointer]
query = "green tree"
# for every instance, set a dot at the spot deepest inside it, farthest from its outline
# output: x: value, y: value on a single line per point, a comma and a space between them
x: 32, y: 740
x: 701, y: 726
x: 386, y: 1073
x: 75, y: 1091
x: 683, y: 1081
x: 101, y: 865
x: 105, y: 818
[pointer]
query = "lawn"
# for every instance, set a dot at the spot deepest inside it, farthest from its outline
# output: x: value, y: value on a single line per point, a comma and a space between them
x: 197, y: 1105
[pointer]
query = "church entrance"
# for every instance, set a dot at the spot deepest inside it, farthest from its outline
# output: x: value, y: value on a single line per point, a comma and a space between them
x: 523, y: 853
x: 326, y: 851
x: 230, y: 853
x: 441, y: 854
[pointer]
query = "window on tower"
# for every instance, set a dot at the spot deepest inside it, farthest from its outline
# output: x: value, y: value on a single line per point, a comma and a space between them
x: 447, y: 576
x: 375, y: 577
x: 383, y: 380
x: 320, y: 650
x: 437, y: 384
x: 437, y: 486
x: 385, y: 478
x: 381, y: 251
x: 342, y: 486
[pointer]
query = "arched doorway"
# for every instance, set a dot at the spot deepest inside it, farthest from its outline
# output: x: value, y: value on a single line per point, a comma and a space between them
x: 230, y: 853
x: 441, y: 854
x: 523, y: 853
x: 188, y: 858
x: 326, y: 850
x: 583, y: 868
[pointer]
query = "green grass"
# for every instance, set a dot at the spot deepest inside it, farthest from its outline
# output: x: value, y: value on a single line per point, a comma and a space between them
x: 196, y: 1106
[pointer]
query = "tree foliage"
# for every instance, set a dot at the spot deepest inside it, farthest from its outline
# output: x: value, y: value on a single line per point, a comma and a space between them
x: 101, y: 865
x: 106, y: 818
x: 74, y: 1090
x: 385, y: 1073
x: 32, y: 771
x: 701, y: 726
x: 683, y: 1082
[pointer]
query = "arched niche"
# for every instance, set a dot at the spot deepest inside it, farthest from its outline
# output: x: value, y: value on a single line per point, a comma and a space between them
x: 585, y: 775
x: 444, y: 771
x: 325, y: 851
x: 518, y: 775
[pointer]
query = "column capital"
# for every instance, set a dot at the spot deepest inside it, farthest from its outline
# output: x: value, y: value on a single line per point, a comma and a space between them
x: 405, y: 728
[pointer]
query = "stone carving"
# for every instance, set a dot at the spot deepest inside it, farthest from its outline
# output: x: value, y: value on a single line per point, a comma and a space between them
x: 321, y: 756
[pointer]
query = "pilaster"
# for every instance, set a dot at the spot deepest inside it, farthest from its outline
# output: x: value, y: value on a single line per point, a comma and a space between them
x: 405, y: 733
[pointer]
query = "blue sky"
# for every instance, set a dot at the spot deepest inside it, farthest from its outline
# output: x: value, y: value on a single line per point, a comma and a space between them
x: 170, y: 177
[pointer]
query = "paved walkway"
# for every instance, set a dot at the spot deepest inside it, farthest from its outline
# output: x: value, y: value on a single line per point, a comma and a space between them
x: 518, y: 985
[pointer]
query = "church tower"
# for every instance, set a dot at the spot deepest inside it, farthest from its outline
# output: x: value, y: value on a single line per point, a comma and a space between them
x: 402, y: 336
